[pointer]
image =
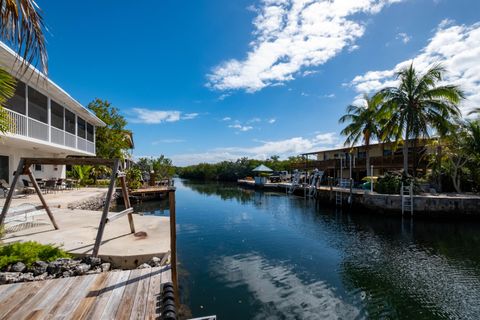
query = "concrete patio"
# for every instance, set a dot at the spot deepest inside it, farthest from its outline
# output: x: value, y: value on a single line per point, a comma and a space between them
x: 78, y: 229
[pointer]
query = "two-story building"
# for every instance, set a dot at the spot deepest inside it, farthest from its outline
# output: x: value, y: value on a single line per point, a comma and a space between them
x: 45, y: 121
x: 383, y: 157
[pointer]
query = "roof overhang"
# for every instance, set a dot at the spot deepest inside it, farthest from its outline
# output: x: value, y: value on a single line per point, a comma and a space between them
x: 12, y: 63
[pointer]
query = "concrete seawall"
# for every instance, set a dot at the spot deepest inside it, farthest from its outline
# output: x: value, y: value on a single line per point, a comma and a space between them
x: 429, y: 206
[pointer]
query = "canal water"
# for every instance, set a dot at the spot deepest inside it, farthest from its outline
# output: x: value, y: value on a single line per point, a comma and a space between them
x: 247, y: 254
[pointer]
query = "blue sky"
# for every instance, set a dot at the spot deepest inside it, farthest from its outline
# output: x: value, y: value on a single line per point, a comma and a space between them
x: 213, y: 80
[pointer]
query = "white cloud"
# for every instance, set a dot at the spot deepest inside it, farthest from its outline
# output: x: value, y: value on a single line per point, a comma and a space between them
x: 226, y: 119
x: 149, y: 116
x: 154, y: 116
x: 279, y: 289
x: 254, y: 120
x: 291, y: 35
x: 189, y: 116
x: 457, y: 47
x: 272, y: 120
x: 263, y: 149
x: 239, y: 127
x: 405, y: 38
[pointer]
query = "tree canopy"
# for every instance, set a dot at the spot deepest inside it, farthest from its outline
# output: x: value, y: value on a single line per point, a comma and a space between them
x: 113, y: 140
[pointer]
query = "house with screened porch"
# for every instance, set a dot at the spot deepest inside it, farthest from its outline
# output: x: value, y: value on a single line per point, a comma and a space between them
x: 45, y: 122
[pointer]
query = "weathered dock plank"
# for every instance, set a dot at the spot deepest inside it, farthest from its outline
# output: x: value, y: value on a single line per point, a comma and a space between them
x: 130, y: 294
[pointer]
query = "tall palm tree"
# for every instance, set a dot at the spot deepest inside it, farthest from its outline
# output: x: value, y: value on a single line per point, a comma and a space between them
x: 418, y: 106
x: 363, y: 124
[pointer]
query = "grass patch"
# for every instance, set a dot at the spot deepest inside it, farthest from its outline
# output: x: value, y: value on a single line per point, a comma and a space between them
x: 29, y: 252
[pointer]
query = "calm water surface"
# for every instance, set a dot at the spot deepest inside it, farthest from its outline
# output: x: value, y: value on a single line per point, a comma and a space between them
x: 259, y: 255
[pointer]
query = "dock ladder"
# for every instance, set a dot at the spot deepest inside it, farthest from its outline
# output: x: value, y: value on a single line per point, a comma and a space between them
x: 338, y: 198
x: 295, y: 181
x: 406, y: 193
x: 314, y: 182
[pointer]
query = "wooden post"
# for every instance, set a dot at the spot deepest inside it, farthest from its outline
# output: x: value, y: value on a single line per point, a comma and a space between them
x: 106, y: 208
x: 8, y: 200
x: 42, y: 199
x: 173, y: 243
x: 126, y: 201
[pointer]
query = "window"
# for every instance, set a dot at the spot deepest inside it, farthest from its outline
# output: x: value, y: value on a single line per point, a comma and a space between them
x: 89, y: 132
x: 57, y: 116
x: 18, y: 102
x: 37, y: 105
x: 38, y: 167
x: 362, y: 154
x: 387, y: 152
x: 81, y: 129
x: 69, y: 121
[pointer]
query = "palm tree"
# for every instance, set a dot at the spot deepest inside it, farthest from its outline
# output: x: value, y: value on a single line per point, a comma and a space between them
x: 364, y: 124
x: 21, y: 27
x: 419, y: 105
x: 475, y: 111
x: 7, y: 90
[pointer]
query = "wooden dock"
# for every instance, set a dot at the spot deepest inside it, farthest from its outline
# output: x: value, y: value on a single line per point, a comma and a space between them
x: 131, y: 294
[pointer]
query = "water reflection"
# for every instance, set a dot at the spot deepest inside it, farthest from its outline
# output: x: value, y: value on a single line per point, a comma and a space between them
x: 281, y: 292
x: 255, y: 255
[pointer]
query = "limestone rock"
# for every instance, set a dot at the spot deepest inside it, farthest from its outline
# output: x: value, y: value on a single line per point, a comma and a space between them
x: 93, y: 261
x: 42, y: 276
x: 19, y: 267
x: 39, y: 267
x: 8, y: 277
x: 155, y: 262
x: 105, y: 266
x: 81, y: 269
x: 25, y: 277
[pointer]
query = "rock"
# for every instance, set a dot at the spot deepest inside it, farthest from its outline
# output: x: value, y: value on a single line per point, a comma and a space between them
x: 94, y: 271
x: 144, y: 266
x: 42, y: 276
x: 19, y: 267
x: 155, y: 262
x: 39, y: 267
x: 24, y: 277
x: 93, y: 261
x: 66, y: 274
x: 81, y: 269
x: 61, y: 265
x: 105, y: 266
x: 8, y: 277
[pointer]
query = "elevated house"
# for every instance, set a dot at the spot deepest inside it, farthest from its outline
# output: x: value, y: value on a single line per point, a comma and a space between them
x: 383, y: 157
x: 45, y: 122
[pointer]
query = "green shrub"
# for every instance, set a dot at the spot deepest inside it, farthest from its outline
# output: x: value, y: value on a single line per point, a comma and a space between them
x: 29, y: 252
x: 133, y: 178
x: 391, y: 182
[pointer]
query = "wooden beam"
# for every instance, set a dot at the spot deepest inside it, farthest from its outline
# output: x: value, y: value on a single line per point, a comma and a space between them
x: 106, y: 208
x: 173, y: 244
x: 8, y: 200
x: 42, y: 199
x: 126, y: 201
x: 120, y: 214
x: 69, y: 161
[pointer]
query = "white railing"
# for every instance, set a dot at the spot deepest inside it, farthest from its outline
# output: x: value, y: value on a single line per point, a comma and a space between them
x: 18, y: 125
x: 90, y: 147
x: 81, y: 144
x: 70, y: 140
x: 57, y: 136
x: 28, y: 127
x: 37, y: 129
